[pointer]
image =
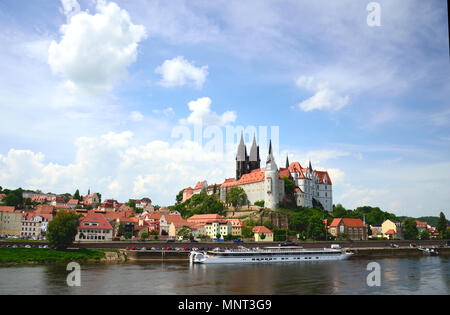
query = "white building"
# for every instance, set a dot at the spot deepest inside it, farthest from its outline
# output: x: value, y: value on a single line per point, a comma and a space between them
x: 311, y: 185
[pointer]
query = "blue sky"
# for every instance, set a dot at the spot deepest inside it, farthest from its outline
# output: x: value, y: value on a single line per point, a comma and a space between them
x: 91, y: 92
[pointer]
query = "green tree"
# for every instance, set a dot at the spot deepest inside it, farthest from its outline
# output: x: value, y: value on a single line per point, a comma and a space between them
x: 179, y: 197
x: 61, y: 231
x: 185, y: 232
x: 441, y: 226
x: 131, y: 203
x: 410, y: 230
x: 262, y: 236
x: 154, y: 232
x: 259, y: 203
x: 316, y: 228
x: 289, y: 186
x: 236, y: 196
x: 424, y: 235
x: 247, y: 232
x: 11, y: 199
x: 144, y: 235
x: 76, y: 195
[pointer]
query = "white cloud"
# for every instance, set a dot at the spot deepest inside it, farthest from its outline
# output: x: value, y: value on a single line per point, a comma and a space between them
x: 324, y: 98
x: 136, y: 116
x: 178, y: 72
x: 201, y: 114
x: 96, y: 49
x: 166, y: 112
x: 70, y: 7
x: 116, y: 166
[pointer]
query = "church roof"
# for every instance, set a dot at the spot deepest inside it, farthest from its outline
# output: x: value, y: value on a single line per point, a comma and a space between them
x: 242, y: 150
x: 254, y: 156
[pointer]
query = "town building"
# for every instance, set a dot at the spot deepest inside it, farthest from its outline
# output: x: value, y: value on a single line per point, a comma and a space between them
x: 262, y: 234
x: 10, y: 221
x: 31, y: 228
x: 94, y: 227
x: 214, y: 228
x: 354, y: 229
x: 392, y: 230
x: 236, y: 227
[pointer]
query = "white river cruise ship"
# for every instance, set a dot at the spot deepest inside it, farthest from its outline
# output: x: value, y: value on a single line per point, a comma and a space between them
x: 267, y: 255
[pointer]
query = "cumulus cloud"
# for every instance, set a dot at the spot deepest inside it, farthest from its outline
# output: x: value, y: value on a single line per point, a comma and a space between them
x: 116, y: 166
x: 70, y: 7
x: 95, y: 49
x: 136, y: 116
x: 201, y: 114
x: 324, y: 98
x: 178, y: 72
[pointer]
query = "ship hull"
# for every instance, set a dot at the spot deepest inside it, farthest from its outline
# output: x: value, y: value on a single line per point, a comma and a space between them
x: 203, y: 258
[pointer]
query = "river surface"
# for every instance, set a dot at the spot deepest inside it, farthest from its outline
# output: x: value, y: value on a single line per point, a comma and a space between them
x: 423, y: 275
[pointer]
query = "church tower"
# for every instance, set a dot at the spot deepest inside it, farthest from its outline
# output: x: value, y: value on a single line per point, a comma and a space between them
x: 272, y: 189
x: 241, y: 159
x: 254, y: 161
x: 245, y: 163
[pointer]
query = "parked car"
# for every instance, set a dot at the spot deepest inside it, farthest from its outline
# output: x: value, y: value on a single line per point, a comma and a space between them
x: 218, y: 240
x: 238, y: 240
x: 170, y: 241
x: 132, y: 248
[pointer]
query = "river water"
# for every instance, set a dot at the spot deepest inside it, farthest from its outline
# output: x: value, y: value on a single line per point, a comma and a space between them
x: 423, y: 275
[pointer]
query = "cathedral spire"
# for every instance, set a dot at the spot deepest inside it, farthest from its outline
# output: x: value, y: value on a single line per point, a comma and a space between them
x: 287, y: 161
x: 242, y: 150
x: 254, y: 150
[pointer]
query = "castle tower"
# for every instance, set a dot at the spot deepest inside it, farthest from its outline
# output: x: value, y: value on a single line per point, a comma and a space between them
x: 242, y: 158
x: 272, y: 189
x: 254, y: 160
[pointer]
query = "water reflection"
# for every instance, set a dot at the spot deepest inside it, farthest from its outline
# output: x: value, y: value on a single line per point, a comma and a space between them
x: 427, y: 275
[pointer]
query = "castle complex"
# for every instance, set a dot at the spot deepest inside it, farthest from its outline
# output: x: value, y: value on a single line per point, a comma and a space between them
x: 312, y: 187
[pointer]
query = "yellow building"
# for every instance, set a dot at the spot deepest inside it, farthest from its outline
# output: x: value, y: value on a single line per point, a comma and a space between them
x: 262, y: 234
x: 236, y: 227
x: 391, y: 229
x: 10, y: 221
x: 223, y: 228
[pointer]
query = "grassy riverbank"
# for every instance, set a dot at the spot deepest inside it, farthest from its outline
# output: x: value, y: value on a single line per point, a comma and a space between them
x: 38, y: 255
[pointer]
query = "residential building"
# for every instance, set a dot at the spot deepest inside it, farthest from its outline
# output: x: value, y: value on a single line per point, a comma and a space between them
x: 392, y: 230
x: 262, y: 234
x: 354, y: 229
x: 214, y: 228
x: 94, y: 227
x: 236, y: 227
x: 31, y: 228
x: 10, y: 221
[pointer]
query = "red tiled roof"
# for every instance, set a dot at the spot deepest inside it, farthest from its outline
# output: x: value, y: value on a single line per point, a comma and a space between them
x: 295, y: 167
x: 73, y: 202
x: 390, y: 232
x: 7, y: 208
x: 261, y: 229
x: 93, y: 217
x: 284, y: 172
x: 199, y: 185
x: 347, y: 222
x: 421, y: 224
x: 204, y: 217
x: 321, y: 175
